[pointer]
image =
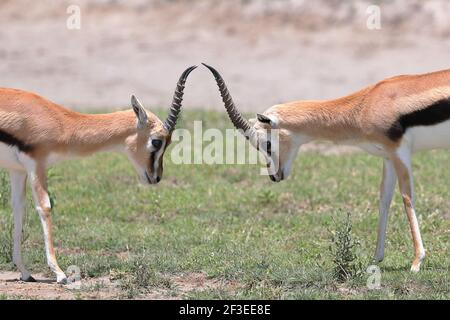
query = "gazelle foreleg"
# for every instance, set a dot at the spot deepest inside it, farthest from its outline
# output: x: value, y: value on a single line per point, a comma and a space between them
x: 403, y: 167
x: 18, y: 201
x: 387, y: 189
x: 38, y: 181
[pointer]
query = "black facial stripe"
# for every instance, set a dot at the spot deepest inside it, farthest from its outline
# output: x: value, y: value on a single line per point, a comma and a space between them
x: 152, y: 161
x: 434, y: 114
x: 153, y: 157
x: 13, y: 141
x: 268, y: 147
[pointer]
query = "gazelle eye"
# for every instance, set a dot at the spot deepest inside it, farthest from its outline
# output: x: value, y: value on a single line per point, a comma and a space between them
x: 157, y: 144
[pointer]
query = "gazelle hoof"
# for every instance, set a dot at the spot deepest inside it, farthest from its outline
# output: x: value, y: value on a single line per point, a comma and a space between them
x: 28, y: 279
x: 415, y: 268
x: 61, y: 279
x: 377, y: 260
x: 417, y: 263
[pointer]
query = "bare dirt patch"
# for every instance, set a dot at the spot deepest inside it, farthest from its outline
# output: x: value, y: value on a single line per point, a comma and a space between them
x: 188, y: 283
x: 46, y: 288
x: 103, y: 288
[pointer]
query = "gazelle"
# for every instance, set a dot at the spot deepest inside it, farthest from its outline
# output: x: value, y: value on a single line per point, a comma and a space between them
x: 36, y: 133
x: 391, y: 119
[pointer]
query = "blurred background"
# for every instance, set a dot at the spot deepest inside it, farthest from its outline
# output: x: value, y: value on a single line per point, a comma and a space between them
x: 268, y: 51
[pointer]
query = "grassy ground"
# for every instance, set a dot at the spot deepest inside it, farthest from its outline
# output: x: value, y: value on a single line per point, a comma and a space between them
x: 262, y: 240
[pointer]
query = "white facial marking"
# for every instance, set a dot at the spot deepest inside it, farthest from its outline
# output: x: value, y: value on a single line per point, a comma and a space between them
x: 280, y: 170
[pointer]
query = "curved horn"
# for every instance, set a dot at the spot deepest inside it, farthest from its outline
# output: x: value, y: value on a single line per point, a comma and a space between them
x: 174, y: 112
x: 236, y: 117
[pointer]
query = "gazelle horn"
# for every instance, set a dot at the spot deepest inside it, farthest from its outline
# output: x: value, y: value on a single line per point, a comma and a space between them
x: 175, y: 109
x: 236, y: 117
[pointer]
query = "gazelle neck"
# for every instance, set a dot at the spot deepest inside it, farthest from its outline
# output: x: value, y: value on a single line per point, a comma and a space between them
x: 89, y: 134
x: 333, y: 120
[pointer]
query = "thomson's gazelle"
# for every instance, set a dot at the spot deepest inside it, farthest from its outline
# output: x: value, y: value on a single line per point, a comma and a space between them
x: 391, y: 119
x: 36, y: 133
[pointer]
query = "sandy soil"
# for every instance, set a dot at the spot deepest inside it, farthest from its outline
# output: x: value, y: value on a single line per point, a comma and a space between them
x: 269, y: 51
x: 103, y: 288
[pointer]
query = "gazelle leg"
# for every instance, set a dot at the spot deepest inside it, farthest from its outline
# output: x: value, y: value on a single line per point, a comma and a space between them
x: 402, y: 163
x: 18, y: 201
x: 387, y: 189
x: 38, y: 181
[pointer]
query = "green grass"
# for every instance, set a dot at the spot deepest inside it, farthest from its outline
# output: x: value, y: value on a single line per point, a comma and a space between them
x: 235, y: 225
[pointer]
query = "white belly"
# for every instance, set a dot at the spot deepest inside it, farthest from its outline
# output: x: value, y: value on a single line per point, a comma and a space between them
x: 55, y: 158
x: 375, y: 149
x: 430, y: 137
x: 8, y: 158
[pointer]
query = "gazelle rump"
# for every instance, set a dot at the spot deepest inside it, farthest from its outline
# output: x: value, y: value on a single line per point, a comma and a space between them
x: 391, y: 119
x: 36, y: 133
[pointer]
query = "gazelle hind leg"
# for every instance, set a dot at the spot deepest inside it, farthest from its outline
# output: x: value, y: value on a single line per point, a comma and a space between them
x: 387, y: 189
x: 402, y: 163
x: 18, y: 201
x: 38, y: 181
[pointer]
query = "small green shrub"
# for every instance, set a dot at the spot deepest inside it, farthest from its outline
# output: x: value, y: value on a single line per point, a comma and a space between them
x: 140, y: 278
x: 343, y: 251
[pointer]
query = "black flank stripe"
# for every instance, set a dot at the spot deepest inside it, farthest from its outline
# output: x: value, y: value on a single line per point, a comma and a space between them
x: 13, y: 141
x: 436, y: 113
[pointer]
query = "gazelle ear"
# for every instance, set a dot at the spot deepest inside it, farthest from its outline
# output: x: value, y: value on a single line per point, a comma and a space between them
x: 272, y: 121
x: 140, y: 112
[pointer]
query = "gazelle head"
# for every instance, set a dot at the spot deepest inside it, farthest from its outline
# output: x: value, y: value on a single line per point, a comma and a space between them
x: 146, y: 148
x: 278, y: 144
